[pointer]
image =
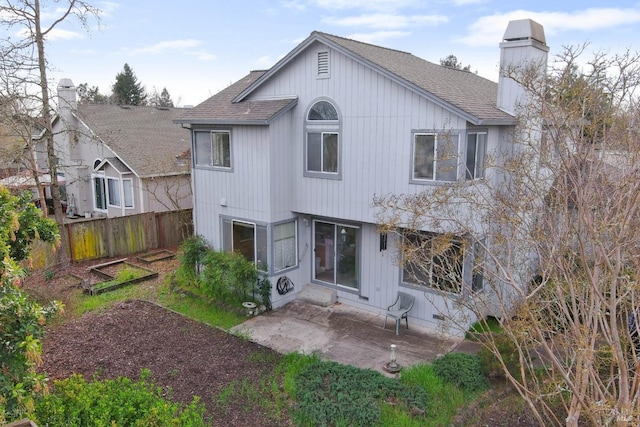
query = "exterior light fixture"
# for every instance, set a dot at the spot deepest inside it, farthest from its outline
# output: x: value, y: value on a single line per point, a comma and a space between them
x: 343, y: 234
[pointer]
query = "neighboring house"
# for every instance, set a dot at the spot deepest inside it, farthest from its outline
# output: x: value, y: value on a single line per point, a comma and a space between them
x: 286, y: 162
x: 120, y: 160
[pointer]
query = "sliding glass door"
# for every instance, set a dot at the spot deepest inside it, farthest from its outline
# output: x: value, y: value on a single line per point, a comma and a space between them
x: 337, y: 251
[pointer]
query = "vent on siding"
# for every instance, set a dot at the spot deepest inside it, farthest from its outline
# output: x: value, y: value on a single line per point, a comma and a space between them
x: 323, y: 64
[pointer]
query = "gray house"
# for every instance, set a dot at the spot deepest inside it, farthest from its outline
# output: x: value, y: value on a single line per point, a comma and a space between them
x: 287, y: 161
x: 120, y: 160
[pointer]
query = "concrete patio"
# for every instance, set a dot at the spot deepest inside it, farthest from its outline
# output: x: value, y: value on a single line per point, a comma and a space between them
x: 346, y: 335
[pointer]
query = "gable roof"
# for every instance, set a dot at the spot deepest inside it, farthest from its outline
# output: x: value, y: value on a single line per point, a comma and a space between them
x: 462, y: 92
x: 219, y: 109
x: 145, y: 139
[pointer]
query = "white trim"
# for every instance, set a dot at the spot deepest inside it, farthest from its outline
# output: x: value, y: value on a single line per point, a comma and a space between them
x: 124, y: 199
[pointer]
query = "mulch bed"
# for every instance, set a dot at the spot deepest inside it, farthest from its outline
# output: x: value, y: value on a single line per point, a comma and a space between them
x: 189, y: 357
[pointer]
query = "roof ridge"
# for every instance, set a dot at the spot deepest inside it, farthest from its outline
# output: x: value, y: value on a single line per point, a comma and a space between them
x: 365, y: 43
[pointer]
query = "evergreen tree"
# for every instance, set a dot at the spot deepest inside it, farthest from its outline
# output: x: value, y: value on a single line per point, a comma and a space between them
x: 451, y: 61
x: 165, y: 99
x: 127, y: 90
x: 90, y: 95
x: 162, y: 100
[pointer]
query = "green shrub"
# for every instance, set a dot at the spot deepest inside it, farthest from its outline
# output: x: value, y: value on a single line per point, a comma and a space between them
x: 191, y: 254
x: 490, y: 363
x: 489, y: 324
x: 120, y: 402
x: 462, y: 370
x: 264, y: 289
x: 225, y: 275
x: 329, y: 394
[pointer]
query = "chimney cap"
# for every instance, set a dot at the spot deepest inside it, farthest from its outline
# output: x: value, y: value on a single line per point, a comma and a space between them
x: 65, y: 84
x: 525, y: 29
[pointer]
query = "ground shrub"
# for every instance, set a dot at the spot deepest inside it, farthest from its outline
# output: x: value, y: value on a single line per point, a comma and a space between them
x: 121, y: 402
x: 228, y: 276
x: 462, y: 370
x: 330, y: 394
x: 191, y: 254
x: 490, y: 363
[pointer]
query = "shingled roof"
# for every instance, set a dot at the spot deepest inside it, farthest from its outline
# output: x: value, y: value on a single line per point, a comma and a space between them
x: 145, y: 138
x: 462, y: 92
x: 220, y: 110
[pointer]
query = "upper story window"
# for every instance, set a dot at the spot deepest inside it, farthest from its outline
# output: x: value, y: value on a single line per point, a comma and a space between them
x: 322, y: 142
x: 213, y: 148
x: 435, y: 157
x: 476, y: 149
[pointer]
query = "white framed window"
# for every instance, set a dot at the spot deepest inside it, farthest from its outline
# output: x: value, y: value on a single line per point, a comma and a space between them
x: 435, y: 157
x: 213, y: 148
x: 113, y: 187
x: 433, y: 261
x: 246, y: 238
x: 322, y: 141
x: 127, y: 190
x: 476, y: 151
x: 285, y: 246
x: 99, y: 193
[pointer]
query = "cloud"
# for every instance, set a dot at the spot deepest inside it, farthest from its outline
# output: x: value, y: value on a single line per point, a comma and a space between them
x: 264, y: 62
x: 203, y: 56
x: 55, y: 34
x: 378, y: 36
x: 107, y: 8
x: 466, y: 2
x: 488, y: 30
x: 167, y: 45
x: 387, y: 21
x: 378, y: 5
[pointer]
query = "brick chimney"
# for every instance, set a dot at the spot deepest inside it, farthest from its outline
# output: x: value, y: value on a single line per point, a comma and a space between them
x: 524, y: 46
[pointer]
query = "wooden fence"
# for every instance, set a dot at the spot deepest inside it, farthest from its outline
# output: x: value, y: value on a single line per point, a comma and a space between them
x: 120, y: 237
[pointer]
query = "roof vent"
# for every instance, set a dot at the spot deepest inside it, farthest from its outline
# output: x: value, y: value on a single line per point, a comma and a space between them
x: 323, y: 63
x: 125, y: 107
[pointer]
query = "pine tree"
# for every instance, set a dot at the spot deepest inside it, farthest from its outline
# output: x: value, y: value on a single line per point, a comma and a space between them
x: 127, y: 90
x: 165, y: 99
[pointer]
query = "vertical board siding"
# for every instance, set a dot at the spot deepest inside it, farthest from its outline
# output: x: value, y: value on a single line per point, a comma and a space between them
x: 122, y: 236
x: 377, y: 118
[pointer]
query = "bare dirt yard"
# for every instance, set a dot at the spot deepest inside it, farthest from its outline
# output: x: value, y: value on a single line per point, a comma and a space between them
x: 186, y: 356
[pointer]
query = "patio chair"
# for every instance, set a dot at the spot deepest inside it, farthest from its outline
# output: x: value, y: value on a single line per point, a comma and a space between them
x: 400, y: 310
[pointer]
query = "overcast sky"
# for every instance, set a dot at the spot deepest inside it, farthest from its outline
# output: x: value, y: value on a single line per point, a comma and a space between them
x: 196, y: 48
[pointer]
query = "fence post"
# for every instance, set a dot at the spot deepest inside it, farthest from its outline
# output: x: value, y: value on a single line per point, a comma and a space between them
x: 159, y: 225
x: 70, y: 246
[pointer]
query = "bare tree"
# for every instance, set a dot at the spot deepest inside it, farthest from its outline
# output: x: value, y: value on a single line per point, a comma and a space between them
x: 555, y: 238
x: 25, y: 63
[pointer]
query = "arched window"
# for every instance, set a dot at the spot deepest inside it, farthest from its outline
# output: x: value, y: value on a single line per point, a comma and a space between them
x: 322, y: 110
x: 322, y: 144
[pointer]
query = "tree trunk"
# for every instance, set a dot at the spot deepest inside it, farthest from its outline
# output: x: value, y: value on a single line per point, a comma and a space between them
x: 63, y: 256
